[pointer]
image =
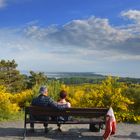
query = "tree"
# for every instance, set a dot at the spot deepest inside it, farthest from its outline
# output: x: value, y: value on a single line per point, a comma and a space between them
x: 10, y: 77
x: 36, y: 79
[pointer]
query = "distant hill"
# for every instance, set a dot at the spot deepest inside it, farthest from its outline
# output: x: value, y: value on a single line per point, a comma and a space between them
x: 87, y: 77
x: 58, y: 75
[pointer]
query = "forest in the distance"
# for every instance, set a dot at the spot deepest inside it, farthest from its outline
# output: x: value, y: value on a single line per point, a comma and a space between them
x: 17, y: 91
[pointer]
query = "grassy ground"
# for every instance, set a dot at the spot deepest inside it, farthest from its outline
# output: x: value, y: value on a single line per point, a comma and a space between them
x: 12, y: 117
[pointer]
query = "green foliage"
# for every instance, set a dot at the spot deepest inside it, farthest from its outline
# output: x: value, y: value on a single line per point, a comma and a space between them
x: 108, y: 93
x: 81, y: 80
x: 122, y: 97
x: 36, y: 78
x: 12, y: 117
x: 54, y: 87
x: 10, y: 77
x: 133, y: 93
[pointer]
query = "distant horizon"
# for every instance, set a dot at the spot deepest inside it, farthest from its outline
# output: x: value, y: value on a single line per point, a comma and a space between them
x: 97, y: 73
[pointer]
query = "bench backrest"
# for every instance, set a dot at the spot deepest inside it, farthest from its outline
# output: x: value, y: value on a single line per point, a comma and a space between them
x: 82, y: 112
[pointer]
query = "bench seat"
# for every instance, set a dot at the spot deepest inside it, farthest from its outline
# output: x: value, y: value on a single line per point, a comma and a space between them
x: 79, y: 115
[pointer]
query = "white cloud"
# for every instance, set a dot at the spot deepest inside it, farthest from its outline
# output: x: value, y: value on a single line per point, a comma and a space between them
x: 134, y: 27
x: 94, y: 34
x: 132, y: 15
x: 79, y: 44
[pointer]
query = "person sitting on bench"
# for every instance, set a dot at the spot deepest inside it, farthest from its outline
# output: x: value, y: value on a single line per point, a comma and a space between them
x: 63, y: 103
x: 44, y: 100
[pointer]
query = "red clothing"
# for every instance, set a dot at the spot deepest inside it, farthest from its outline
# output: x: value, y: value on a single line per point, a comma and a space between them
x: 110, y: 124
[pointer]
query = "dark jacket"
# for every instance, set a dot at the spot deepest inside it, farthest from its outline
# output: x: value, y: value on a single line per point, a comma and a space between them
x: 46, y: 101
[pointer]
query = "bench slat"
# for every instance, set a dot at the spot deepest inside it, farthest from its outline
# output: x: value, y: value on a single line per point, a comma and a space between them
x: 96, y: 121
x: 89, y: 112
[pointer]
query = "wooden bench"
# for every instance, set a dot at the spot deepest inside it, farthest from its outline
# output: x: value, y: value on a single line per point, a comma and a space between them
x: 90, y: 116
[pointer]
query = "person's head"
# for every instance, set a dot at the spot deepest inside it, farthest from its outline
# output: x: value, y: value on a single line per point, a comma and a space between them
x: 63, y: 94
x: 43, y: 90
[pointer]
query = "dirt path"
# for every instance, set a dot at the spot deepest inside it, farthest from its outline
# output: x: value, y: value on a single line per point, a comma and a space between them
x: 14, y: 131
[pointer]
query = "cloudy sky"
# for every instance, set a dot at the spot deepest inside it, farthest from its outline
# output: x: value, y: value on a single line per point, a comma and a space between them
x: 101, y: 36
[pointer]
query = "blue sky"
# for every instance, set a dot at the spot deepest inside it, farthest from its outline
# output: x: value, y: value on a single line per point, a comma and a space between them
x: 101, y: 36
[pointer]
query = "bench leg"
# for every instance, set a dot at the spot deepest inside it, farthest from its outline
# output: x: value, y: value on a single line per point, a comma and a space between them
x: 46, y: 127
x: 93, y: 127
x: 100, y: 127
x: 24, y: 134
x: 59, y: 125
x: 32, y: 127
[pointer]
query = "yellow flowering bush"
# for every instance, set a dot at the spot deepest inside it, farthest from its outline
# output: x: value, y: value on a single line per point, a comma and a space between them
x: 123, y: 98
x: 108, y: 93
x: 22, y: 99
x: 7, y: 108
x: 10, y: 104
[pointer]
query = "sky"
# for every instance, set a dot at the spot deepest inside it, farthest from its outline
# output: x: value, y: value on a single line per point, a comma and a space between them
x: 101, y: 36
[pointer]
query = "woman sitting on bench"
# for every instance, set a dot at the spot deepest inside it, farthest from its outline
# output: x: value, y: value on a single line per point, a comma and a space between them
x: 62, y: 102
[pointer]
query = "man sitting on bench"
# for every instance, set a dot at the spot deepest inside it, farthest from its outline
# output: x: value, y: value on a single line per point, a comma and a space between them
x: 44, y: 100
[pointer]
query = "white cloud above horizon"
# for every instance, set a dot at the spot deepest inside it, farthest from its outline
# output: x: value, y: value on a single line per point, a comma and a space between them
x: 79, y: 44
x: 91, y: 35
x: 132, y: 15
